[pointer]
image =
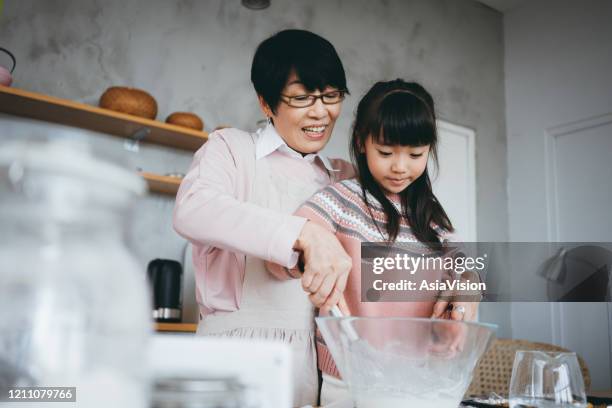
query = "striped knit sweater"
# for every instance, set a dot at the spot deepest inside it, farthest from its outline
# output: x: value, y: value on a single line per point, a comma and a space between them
x: 341, y: 209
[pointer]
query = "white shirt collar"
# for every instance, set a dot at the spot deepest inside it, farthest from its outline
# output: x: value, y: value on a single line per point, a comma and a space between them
x: 269, y: 141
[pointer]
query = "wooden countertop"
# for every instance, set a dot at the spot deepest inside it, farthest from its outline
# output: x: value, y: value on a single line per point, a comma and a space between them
x: 176, y: 327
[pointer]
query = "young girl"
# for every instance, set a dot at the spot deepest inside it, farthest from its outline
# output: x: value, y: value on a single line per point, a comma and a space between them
x: 391, y: 200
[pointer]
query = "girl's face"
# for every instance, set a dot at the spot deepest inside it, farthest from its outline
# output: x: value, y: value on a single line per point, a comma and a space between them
x: 305, y: 130
x: 395, y: 167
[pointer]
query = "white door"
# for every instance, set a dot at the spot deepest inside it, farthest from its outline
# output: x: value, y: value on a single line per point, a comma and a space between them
x: 578, y: 194
x: 557, y: 65
x: 579, y: 190
x: 455, y: 183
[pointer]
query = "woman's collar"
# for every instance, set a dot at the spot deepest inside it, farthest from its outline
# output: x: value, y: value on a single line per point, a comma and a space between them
x: 269, y: 141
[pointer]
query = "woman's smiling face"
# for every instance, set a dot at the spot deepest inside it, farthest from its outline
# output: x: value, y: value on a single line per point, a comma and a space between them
x: 305, y: 130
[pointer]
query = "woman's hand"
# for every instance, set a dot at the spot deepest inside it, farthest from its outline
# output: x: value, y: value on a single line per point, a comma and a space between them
x: 326, y: 265
x: 342, y: 305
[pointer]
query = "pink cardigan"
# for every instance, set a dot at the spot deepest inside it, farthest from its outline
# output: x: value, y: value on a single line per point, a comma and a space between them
x: 213, y: 212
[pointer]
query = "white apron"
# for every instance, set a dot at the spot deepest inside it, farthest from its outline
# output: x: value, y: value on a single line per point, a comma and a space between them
x: 269, y: 308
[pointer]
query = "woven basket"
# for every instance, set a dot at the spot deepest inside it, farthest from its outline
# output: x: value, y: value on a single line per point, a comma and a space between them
x: 493, y: 372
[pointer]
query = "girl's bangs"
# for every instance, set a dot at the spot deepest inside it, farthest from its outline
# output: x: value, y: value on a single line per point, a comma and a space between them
x: 403, y: 119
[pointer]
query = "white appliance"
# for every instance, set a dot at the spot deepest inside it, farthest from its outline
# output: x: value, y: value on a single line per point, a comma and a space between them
x: 264, y: 367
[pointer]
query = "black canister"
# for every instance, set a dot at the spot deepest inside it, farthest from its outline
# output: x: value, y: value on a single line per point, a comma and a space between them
x: 166, y: 277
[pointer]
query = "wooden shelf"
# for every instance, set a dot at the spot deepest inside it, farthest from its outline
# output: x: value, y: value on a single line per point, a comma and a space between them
x: 162, y: 184
x: 51, y: 109
x: 176, y: 327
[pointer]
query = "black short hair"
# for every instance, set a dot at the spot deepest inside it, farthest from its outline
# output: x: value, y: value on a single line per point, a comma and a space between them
x: 313, y: 58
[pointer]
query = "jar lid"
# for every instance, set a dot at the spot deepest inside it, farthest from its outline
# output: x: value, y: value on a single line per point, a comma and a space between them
x: 199, y: 392
x: 196, y: 385
x: 68, y: 157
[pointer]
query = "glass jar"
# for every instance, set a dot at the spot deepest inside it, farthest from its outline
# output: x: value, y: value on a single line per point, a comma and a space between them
x: 212, y: 392
x: 74, y: 309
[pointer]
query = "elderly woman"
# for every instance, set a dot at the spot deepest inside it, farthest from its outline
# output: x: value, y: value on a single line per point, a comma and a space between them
x: 236, y: 204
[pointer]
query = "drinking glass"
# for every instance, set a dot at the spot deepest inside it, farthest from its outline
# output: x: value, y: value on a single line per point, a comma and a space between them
x: 543, y: 379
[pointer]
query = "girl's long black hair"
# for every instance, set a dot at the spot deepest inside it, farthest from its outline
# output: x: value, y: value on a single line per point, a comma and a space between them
x: 400, y: 113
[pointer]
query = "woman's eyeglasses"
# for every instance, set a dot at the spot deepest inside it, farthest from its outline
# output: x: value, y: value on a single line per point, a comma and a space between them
x: 304, y: 101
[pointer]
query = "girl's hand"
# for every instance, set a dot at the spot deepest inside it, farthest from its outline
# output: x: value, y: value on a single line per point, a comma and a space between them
x: 448, y: 339
x: 458, y: 305
x: 451, y: 338
x: 455, y: 310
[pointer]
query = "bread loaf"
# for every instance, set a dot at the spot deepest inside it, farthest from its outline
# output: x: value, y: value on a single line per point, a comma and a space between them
x: 129, y: 100
x: 186, y: 119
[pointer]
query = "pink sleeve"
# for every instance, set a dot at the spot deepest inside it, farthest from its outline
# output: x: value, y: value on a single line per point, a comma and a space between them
x: 282, y: 273
x: 305, y: 211
x: 209, y: 212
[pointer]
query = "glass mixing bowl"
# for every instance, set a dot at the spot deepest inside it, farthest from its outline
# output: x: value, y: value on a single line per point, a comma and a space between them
x: 405, y: 362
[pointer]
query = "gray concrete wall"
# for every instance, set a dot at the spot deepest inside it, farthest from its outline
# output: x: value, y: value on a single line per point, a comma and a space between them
x: 195, y: 55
